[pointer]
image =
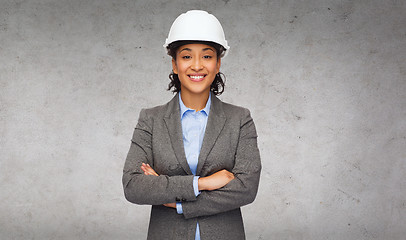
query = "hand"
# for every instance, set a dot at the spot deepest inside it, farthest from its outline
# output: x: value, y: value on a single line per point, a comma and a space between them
x: 172, y: 205
x: 148, y: 170
x: 216, y: 180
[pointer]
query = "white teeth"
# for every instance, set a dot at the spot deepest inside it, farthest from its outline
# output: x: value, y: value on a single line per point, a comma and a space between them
x: 196, y: 77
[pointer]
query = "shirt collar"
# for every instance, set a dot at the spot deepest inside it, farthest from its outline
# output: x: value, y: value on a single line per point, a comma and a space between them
x: 184, y: 109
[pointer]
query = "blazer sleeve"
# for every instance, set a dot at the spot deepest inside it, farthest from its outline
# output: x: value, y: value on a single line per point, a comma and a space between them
x: 152, y: 190
x: 243, y: 188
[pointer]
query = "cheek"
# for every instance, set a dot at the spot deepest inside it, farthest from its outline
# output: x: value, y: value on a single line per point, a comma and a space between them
x: 181, y: 68
x: 182, y: 72
x: 214, y: 68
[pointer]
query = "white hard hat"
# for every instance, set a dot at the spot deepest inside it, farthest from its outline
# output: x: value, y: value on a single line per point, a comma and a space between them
x: 197, y: 25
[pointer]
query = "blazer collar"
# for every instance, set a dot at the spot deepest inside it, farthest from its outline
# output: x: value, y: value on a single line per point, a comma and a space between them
x: 215, y: 124
x: 173, y: 124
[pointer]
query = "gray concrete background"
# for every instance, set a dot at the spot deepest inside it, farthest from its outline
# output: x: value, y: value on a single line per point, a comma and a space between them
x: 324, y: 80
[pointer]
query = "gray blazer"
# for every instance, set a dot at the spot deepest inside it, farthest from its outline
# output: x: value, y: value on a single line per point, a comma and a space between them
x: 230, y: 142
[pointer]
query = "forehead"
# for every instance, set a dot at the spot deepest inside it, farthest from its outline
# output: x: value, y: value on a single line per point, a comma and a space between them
x: 198, y: 47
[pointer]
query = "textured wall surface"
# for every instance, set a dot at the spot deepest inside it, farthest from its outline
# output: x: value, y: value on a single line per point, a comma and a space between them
x: 325, y: 82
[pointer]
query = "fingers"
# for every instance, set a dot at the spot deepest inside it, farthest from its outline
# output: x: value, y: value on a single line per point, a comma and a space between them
x: 148, y: 170
x: 171, y: 205
x: 225, y: 174
x: 228, y: 174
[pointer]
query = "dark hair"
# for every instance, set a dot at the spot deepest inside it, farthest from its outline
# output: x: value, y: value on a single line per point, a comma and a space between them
x: 217, y: 86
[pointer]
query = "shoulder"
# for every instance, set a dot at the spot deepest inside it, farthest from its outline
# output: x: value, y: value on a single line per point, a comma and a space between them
x: 235, y: 111
x: 154, y: 111
x: 231, y: 108
x: 160, y: 111
x: 149, y: 116
x: 240, y: 116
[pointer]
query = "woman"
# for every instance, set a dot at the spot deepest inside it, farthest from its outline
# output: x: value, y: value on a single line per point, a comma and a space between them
x: 194, y: 159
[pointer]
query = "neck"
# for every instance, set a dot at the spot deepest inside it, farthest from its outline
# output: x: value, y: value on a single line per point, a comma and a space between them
x: 193, y: 101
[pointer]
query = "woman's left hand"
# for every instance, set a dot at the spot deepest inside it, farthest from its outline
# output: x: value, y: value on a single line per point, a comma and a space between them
x: 148, y: 170
x: 172, y: 205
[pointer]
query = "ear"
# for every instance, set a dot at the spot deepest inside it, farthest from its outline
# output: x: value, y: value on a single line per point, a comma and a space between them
x: 218, y: 65
x: 174, y: 67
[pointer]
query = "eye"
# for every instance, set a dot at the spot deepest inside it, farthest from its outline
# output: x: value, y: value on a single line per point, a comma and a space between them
x: 207, y: 57
x: 186, y: 57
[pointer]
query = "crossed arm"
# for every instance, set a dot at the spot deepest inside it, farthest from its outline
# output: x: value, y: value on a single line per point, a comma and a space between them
x: 220, y: 192
x: 209, y: 183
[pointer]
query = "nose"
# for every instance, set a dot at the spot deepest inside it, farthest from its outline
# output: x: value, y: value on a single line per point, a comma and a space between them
x: 197, y: 64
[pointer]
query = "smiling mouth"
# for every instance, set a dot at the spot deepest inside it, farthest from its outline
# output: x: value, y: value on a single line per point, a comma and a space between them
x: 197, y: 78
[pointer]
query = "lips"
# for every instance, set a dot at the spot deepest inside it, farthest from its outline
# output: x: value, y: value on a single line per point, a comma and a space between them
x: 197, y: 78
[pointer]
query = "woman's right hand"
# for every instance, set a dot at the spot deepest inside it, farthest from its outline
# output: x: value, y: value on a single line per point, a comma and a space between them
x: 215, y: 181
x: 148, y: 170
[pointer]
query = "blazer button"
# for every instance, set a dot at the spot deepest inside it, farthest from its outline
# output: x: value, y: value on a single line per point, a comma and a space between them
x: 183, y: 200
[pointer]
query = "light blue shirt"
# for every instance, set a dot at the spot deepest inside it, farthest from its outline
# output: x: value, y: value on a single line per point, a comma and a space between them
x: 193, y: 128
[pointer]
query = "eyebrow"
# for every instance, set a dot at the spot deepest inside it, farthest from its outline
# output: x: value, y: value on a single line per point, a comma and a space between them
x: 204, y: 49
x: 185, y: 49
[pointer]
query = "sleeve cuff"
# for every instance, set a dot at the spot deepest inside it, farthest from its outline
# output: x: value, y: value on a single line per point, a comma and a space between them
x: 196, y: 185
x: 179, y: 208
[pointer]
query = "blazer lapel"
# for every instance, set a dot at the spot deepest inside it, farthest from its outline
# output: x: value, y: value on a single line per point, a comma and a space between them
x: 173, y: 124
x: 215, y: 124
